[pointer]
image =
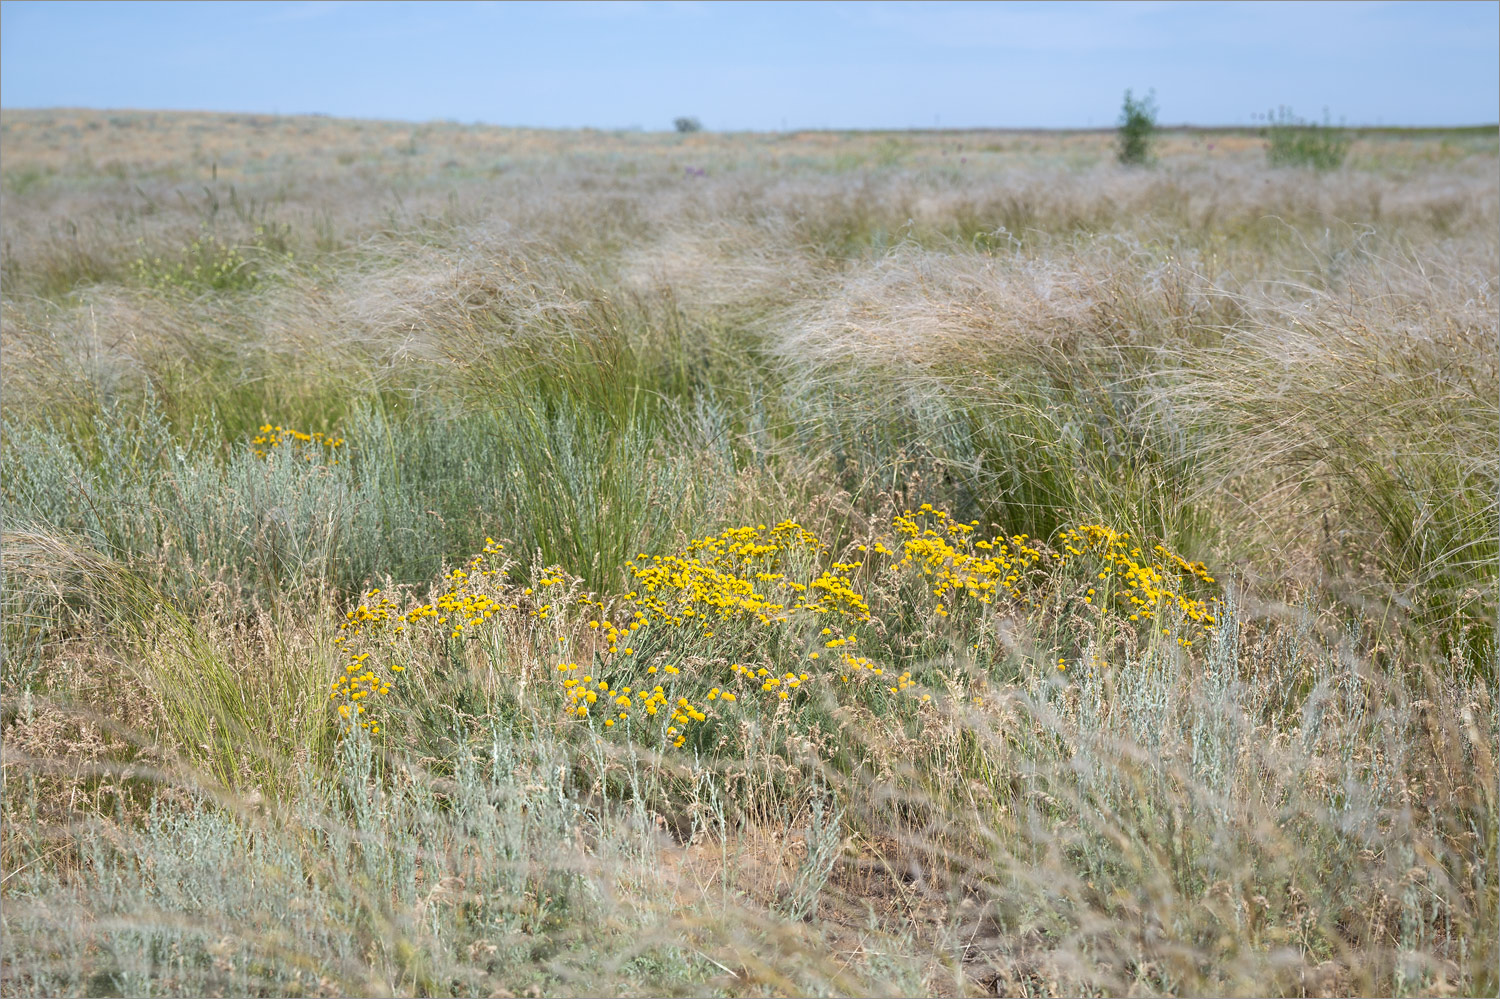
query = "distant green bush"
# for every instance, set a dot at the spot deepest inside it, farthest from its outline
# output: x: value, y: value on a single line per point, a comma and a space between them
x: 687, y: 124
x: 211, y: 263
x: 1137, y: 125
x: 22, y: 180
x: 1299, y: 143
x: 205, y: 264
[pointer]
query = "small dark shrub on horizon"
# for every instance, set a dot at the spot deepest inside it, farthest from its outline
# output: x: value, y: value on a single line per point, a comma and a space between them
x: 1137, y: 126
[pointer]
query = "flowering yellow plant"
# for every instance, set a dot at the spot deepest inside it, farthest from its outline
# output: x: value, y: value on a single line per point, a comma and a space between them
x: 708, y: 631
x: 311, y: 446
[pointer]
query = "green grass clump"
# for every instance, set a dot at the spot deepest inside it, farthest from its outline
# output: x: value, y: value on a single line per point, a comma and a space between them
x: 1298, y: 143
x: 209, y: 263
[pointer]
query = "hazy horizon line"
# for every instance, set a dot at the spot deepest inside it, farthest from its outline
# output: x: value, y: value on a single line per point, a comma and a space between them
x: 637, y: 128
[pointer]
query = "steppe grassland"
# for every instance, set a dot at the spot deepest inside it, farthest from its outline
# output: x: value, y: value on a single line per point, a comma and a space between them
x: 607, y: 362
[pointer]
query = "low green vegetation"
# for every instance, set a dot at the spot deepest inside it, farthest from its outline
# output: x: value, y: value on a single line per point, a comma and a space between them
x: 1299, y: 143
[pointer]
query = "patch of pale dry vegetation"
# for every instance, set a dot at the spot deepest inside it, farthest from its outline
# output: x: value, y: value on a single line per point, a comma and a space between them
x: 575, y: 343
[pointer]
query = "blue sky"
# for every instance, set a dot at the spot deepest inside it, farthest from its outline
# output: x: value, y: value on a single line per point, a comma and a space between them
x: 761, y: 66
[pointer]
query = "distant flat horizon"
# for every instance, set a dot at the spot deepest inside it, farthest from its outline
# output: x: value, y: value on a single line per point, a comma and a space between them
x: 636, y: 129
x: 763, y: 68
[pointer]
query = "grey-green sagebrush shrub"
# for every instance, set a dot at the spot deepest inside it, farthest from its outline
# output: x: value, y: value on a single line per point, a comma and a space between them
x: 1137, y: 126
x: 1299, y: 143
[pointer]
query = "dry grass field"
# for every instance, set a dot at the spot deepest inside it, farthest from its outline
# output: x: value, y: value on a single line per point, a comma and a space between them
x: 449, y: 560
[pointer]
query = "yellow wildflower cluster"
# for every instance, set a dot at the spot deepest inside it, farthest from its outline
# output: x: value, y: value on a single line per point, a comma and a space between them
x: 615, y: 704
x: 715, y: 579
x: 310, y: 446
x: 852, y: 665
x: 767, y: 583
x: 359, y: 683
x: 958, y: 566
x: 904, y: 683
x: 1137, y: 585
x: 461, y: 604
x: 652, y: 663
